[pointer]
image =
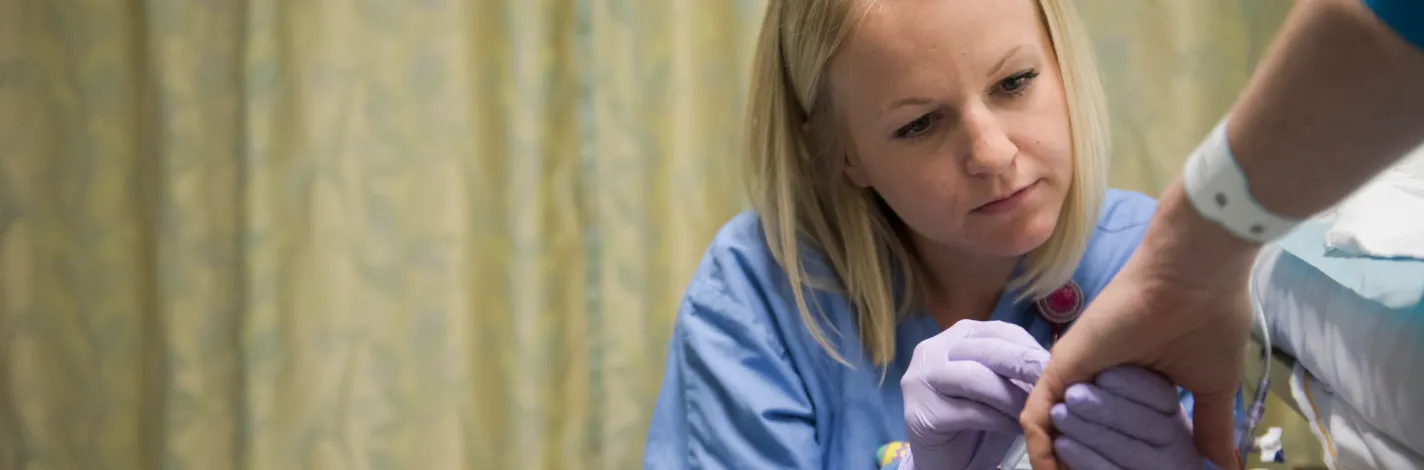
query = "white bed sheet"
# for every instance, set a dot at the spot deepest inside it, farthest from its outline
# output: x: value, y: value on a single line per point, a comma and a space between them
x: 1369, y: 358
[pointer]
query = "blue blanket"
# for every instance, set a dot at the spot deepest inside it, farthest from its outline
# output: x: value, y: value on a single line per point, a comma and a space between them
x: 1395, y: 283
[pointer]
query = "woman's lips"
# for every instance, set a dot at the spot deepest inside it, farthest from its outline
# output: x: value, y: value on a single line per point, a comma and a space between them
x: 1011, y: 202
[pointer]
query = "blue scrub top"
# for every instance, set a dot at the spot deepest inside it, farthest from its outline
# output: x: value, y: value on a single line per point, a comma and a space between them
x: 747, y: 387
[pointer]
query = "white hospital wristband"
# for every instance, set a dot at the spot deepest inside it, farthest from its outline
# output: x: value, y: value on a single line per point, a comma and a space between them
x: 1218, y: 190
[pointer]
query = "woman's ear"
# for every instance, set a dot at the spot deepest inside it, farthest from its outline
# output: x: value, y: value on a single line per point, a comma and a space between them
x: 855, y: 172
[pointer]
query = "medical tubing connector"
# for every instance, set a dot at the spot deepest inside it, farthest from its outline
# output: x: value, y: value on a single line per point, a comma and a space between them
x: 1246, y: 441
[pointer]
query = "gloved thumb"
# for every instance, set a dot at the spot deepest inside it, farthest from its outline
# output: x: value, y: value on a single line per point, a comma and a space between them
x: 1213, y: 429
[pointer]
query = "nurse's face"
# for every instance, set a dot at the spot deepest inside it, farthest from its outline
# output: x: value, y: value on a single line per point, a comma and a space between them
x: 954, y: 113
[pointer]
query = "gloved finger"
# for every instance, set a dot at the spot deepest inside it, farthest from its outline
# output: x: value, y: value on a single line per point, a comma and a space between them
x: 1125, y: 416
x: 1079, y: 457
x: 1143, y: 386
x: 974, y: 382
x: 1005, y: 358
x: 1005, y: 331
x: 1118, y: 448
x: 957, y: 414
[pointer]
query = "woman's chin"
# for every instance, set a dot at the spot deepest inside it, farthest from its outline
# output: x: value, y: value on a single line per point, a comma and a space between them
x: 1018, y: 239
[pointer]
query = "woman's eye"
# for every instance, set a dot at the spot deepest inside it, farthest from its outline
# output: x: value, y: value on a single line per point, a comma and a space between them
x: 916, y: 128
x: 1018, y: 82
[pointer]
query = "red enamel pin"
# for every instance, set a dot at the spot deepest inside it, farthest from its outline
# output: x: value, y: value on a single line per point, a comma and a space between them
x: 1062, y: 306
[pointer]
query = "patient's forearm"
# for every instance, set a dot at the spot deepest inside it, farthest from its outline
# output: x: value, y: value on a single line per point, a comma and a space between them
x: 1339, y: 98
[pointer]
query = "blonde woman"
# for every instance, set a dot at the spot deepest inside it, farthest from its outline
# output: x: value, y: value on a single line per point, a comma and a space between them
x: 928, y: 181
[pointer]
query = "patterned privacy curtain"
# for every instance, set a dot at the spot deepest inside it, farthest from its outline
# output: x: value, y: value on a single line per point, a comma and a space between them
x: 1171, y: 69
x: 426, y: 234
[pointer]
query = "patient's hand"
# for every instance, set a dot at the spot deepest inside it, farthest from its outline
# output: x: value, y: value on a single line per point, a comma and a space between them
x: 1128, y: 418
x: 1179, y: 307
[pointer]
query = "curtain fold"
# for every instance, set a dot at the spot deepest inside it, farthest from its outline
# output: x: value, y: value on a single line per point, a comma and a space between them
x: 433, y: 234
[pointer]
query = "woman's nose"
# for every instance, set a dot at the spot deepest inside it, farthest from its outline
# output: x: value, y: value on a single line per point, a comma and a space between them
x: 990, y: 150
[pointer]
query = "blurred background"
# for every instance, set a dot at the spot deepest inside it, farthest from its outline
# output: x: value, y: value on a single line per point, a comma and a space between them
x: 421, y: 234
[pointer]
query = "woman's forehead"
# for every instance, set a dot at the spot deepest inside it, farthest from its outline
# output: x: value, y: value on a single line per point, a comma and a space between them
x: 962, y: 26
x: 928, y: 43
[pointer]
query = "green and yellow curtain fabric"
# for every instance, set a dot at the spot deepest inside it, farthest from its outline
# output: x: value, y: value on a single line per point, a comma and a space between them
x: 427, y: 234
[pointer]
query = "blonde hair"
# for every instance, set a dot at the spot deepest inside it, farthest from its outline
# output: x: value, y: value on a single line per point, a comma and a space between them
x: 799, y: 190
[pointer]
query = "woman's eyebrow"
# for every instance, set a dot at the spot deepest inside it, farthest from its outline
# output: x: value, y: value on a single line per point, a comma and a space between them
x: 1000, y: 65
x: 913, y: 100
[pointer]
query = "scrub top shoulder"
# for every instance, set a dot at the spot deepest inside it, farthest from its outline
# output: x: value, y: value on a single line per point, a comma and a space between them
x: 746, y: 386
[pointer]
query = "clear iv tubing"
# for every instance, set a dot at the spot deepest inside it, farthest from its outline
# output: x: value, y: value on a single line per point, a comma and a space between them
x: 1246, y: 441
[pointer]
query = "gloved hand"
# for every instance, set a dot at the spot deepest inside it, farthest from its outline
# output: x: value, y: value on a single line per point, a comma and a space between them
x: 964, y: 391
x: 1128, y: 418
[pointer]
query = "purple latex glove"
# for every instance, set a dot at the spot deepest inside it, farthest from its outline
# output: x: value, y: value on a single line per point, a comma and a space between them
x: 964, y: 391
x: 1128, y: 418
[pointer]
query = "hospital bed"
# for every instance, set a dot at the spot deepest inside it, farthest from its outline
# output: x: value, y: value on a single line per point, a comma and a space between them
x: 1347, y: 348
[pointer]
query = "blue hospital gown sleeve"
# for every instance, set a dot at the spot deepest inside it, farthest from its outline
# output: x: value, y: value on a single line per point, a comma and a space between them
x: 730, y: 397
x: 1405, y: 17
